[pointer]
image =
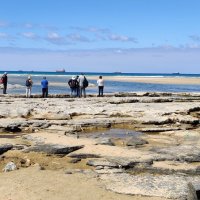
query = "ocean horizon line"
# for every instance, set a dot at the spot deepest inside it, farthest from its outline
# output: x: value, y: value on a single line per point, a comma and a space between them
x: 140, y: 74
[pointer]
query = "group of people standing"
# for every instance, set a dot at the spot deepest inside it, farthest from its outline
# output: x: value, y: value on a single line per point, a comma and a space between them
x: 44, y: 84
x: 77, y: 84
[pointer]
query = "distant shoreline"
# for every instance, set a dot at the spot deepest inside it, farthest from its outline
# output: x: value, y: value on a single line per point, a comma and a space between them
x: 155, y: 80
x: 107, y: 74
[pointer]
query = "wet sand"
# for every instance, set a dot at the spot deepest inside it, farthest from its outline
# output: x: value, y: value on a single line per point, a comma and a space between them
x: 34, y: 184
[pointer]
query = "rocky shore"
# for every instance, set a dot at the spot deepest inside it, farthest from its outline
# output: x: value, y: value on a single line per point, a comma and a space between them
x: 124, y: 145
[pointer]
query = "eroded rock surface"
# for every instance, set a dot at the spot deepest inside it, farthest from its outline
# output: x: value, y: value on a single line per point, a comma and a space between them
x: 160, y: 161
x: 169, y: 186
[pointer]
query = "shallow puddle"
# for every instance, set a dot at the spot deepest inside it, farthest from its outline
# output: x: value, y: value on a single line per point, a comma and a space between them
x: 112, y: 133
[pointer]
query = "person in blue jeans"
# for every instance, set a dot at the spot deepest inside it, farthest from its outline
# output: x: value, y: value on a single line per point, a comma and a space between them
x: 44, y: 84
x: 82, y: 87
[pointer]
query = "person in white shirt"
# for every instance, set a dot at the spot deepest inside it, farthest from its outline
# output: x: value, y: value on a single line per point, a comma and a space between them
x: 100, y: 83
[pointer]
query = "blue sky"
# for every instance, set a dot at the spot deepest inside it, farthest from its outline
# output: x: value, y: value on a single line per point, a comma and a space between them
x: 100, y: 35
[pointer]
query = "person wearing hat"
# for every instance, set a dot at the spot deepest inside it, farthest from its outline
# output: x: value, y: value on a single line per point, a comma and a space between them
x: 4, y: 81
x: 29, y: 84
x: 44, y: 84
x: 73, y: 83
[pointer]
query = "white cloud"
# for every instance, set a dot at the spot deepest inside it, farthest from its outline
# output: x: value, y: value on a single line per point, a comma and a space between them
x: 91, y: 29
x: 55, y: 38
x: 77, y: 38
x: 121, y: 38
x: 29, y: 35
x: 106, y: 34
x: 89, y: 34
x: 98, y: 30
x: 4, y: 35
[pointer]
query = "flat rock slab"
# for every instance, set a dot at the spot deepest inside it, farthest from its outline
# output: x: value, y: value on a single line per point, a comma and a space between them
x: 129, y: 162
x: 166, y: 186
x: 159, y: 129
x: 170, y: 167
x: 102, y: 162
x: 135, y: 141
x: 109, y: 171
x: 5, y: 147
x: 185, y: 153
x: 54, y: 148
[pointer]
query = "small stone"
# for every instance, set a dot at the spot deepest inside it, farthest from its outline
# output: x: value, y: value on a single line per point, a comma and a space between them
x: 68, y: 172
x: 10, y: 167
x: 75, y: 160
x: 28, y: 162
x: 99, y: 168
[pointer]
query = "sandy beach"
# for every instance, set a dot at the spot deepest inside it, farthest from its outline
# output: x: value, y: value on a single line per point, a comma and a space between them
x: 158, y: 80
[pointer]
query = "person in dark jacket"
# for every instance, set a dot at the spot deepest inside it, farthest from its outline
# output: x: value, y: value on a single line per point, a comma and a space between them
x: 4, y: 81
x: 78, y: 87
x: 73, y: 83
x: 44, y: 84
x: 29, y: 84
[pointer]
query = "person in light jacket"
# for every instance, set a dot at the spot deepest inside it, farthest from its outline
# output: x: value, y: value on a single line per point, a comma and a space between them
x: 82, y: 87
x: 29, y: 84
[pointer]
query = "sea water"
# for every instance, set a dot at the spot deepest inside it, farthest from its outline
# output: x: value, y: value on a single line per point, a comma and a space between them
x: 58, y: 82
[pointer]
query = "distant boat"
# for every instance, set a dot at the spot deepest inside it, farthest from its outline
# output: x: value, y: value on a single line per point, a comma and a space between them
x: 177, y: 73
x: 60, y: 70
x: 117, y: 72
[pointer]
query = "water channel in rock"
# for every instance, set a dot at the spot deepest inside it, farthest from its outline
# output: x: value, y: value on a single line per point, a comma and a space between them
x: 112, y: 133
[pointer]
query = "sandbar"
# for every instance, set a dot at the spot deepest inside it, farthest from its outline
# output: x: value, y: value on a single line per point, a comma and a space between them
x: 155, y: 80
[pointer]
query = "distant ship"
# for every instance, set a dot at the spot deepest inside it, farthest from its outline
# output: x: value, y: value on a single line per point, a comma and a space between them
x: 176, y: 73
x: 60, y: 70
x: 117, y: 72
